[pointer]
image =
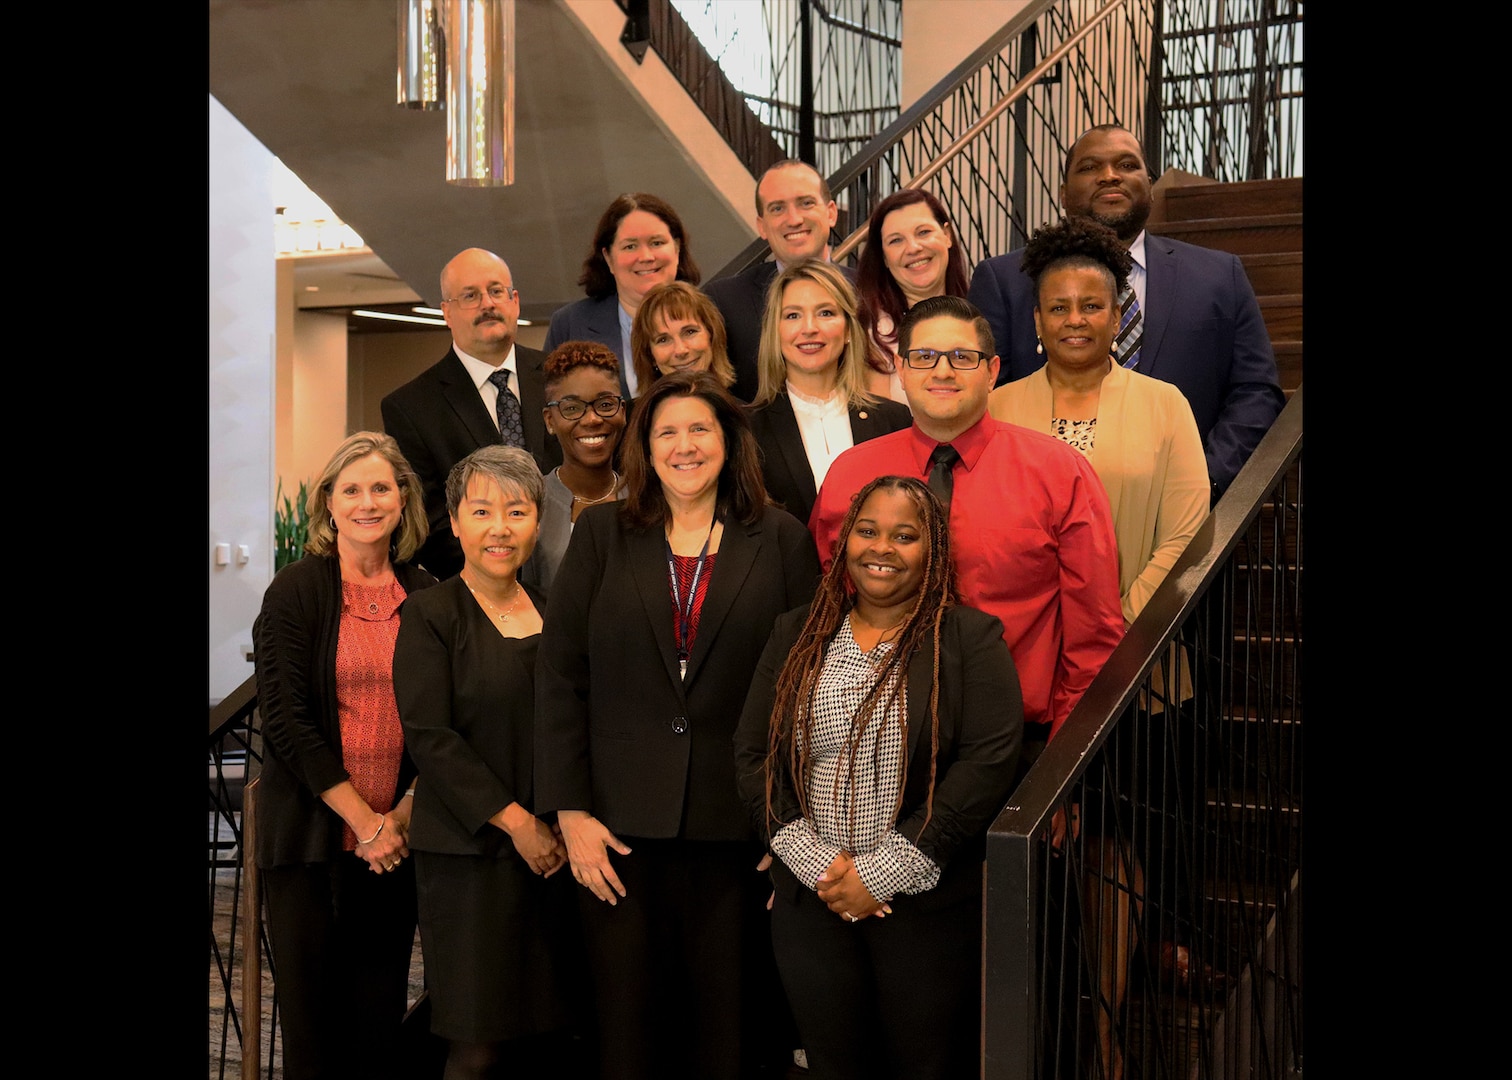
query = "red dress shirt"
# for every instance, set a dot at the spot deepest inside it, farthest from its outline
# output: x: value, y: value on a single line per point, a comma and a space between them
x: 1032, y: 536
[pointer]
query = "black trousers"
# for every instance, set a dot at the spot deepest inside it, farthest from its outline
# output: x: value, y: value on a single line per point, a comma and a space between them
x: 672, y: 964
x: 898, y: 997
x: 341, y: 938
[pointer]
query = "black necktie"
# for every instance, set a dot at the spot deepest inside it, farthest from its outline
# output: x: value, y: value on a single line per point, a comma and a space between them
x: 1130, y: 327
x: 940, y: 480
x: 507, y: 409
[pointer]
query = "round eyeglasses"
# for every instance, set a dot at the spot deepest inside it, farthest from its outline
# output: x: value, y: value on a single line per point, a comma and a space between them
x: 471, y: 298
x: 960, y: 359
x: 573, y: 408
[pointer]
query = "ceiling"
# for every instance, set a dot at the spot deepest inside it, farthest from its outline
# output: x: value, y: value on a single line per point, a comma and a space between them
x: 314, y: 82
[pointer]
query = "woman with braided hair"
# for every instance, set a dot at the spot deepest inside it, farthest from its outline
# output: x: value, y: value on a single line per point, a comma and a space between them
x: 879, y: 740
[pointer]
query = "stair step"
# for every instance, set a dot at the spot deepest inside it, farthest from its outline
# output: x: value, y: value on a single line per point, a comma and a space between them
x: 1273, y: 274
x: 1283, y: 317
x: 1259, y: 235
x: 1245, y: 199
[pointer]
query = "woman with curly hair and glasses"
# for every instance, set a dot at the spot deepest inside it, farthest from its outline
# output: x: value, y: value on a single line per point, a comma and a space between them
x: 879, y: 740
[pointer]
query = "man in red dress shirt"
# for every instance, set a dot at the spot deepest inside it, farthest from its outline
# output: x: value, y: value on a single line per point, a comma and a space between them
x: 1030, y: 525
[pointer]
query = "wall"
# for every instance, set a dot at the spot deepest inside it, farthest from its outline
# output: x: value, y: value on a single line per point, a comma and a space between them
x: 939, y: 34
x: 241, y: 336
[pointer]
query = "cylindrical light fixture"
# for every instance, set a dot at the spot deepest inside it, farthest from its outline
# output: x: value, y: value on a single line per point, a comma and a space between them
x: 422, y: 57
x: 479, y: 38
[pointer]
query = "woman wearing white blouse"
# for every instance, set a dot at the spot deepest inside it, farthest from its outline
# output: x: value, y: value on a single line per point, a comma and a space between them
x: 811, y: 400
x: 879, y: 740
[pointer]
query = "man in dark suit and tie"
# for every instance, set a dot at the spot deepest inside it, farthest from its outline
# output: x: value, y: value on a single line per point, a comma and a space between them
x: 794, y: 214
x: 1192, y: 319
x: 485, y: 390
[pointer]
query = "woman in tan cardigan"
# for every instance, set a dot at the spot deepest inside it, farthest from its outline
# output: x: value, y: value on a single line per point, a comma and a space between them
x: 1142, y: 440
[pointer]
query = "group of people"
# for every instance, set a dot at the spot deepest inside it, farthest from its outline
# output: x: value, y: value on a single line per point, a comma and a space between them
x: 743, y: 609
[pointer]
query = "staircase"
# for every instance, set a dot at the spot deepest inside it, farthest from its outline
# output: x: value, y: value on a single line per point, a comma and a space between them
x: 1261, y: 222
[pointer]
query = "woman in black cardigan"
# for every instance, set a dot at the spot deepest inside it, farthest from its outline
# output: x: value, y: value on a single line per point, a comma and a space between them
x: 878, y: 742
x: 658, y: 613
x: 333, y: 808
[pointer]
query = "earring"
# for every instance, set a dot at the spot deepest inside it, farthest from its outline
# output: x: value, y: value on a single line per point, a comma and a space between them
x: 1039, y: 346
x: 333, y: 522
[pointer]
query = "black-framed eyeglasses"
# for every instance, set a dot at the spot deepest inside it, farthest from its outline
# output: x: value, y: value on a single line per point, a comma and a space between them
x: 572, y: 408
x: 471, y: 298
x: 960, y: 359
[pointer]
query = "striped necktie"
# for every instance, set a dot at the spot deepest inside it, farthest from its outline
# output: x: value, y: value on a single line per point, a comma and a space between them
x: 507, y: 409
x: 1130, y: 327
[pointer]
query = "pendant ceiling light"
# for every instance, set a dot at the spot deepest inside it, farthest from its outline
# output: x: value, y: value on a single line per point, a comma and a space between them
x: 479, y: 44
x: 422, y: 59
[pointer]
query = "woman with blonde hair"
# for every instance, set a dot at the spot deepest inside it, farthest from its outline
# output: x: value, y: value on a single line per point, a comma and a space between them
x: 678, y: 328
x: 812, y: 403
x: 333, y: 807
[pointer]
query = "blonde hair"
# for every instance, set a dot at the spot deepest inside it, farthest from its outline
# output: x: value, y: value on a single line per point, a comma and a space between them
x: 771, y: 367
x: 413, y: 526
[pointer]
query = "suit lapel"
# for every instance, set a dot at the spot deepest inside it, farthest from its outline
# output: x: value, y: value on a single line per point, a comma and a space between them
x: 648, y: 566
x: 866, y: 424
x: 790, y: 446
x: 1160, y: 296
x: 919, y: 669
x: 462, y: 397
x: 737, y: 554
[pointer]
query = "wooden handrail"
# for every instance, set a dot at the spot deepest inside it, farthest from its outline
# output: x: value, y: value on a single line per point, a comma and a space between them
x: 1022, y: 87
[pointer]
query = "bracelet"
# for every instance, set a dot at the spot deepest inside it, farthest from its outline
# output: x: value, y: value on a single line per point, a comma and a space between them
x: 377, y: 834
x: 408, y: 793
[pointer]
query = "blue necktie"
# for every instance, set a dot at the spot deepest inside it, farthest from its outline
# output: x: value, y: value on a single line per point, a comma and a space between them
x: 1130, y: 327
x: 507, y: 409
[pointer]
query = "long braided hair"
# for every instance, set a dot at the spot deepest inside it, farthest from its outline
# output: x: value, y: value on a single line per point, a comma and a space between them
x: 790, y: 729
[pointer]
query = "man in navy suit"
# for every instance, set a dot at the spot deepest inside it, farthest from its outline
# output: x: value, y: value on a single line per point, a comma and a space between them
x: 453, y: 407
x: 1202, y: 329
x: 794, y: 215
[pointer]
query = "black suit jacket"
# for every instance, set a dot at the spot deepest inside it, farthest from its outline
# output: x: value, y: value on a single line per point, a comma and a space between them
x: 1203, y: 332
x: 981, y: 715
x: 784, y: 461
x: 609, y: 701
x: 437, y: 418
x: 741, y: 299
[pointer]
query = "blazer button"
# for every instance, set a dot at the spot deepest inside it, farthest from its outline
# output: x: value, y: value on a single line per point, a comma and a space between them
x: 680, y: 725
x: 862, y: 414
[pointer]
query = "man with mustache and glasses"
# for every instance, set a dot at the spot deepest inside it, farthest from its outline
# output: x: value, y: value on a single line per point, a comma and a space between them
x: 485, y: 390
x: 1031, y: 529
x: 1195, y: 321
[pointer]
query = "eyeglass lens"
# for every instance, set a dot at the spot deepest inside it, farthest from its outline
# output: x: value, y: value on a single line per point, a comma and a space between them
x: 961, y: 359
x: 572, y: 408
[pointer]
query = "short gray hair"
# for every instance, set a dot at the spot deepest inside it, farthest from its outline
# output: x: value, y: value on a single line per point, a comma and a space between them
x: 510, y: 467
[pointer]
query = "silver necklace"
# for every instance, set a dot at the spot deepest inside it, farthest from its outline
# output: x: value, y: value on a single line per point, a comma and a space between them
x: 585, y: 499
x: 504, y: 615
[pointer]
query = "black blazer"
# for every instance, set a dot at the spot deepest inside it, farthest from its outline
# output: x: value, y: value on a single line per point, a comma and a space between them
x: 981, y: 731
x: 609, y: 703
x: 294, y: 641
x: 437, y: 418
x: 467, y: 701
x: 591, y: 320
x: 784, y: 461
x: 741, y: 299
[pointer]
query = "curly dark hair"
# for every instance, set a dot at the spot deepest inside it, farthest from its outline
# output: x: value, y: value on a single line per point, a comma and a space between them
x: 742, y: 491
x: 877, y: 289
x: 1077, y: 241
x: 571, y: 355
x: 596, y: 279
x: 790, y: 729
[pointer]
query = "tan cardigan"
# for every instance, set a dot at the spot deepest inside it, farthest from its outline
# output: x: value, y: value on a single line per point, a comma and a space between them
x: 1149, y: 458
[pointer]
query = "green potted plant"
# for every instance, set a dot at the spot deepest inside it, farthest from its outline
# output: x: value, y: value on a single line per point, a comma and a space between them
x: 291, y: 525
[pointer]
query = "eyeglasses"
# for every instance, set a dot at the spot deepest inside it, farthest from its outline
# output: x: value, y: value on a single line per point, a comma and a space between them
x: 572, y: 408
x: 471, y: 298
x: 960, y: 359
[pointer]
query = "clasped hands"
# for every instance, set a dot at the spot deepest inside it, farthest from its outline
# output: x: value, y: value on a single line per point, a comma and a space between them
x: 390, y: 845
x: 843, y: 893
x: 538, y: 843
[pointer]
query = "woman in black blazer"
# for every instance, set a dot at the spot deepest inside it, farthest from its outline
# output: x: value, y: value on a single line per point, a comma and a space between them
x: 639, y: 243
x: 496, y: 919
x: 812, y: 403
x: 333, y: 809
x: 878, y: 742
x: 658, y: 613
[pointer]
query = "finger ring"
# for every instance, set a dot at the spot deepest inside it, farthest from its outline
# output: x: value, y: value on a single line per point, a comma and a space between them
x: 851, y: 917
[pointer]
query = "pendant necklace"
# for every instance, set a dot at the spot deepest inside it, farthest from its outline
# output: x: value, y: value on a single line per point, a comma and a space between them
x: 585, y: 499
x: 504, y: 615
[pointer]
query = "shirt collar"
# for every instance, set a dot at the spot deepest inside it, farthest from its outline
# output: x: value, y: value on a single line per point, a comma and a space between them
x: 480, y: 370
x: 1137, y: 250
x: 970, y: 444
